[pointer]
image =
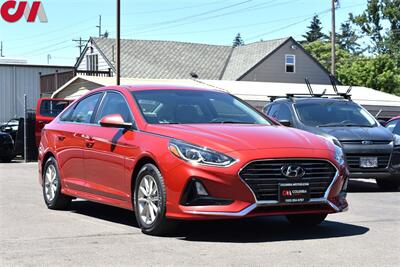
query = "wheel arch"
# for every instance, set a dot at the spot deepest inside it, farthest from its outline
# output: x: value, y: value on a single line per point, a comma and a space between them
x: 140, y: 163
x: 46, y: 156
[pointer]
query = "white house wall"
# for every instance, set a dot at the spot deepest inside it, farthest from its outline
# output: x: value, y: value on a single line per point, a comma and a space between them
x: 103, y: 65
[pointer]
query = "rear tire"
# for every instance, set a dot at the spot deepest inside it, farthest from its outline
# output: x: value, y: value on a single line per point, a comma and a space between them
x: 52, y: 195
x: 150, y: 202
x: 388, y: 184
x: 7, y: 159
x: 306, y: 219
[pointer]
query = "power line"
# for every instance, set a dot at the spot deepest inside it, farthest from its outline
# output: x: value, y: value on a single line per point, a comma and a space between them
x: 163, y: 23
x: 254, y: 7
x: 81, y: 43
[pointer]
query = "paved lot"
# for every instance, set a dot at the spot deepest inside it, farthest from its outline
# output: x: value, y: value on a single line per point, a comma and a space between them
x: 97, y: 235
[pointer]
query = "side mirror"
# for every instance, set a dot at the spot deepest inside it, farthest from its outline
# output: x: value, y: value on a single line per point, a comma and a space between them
x: 115, y: 121
x: 286, y: 123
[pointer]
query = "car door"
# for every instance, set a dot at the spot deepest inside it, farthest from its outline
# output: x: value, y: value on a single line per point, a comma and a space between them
x: 68, y: 138
x: 106, y: 149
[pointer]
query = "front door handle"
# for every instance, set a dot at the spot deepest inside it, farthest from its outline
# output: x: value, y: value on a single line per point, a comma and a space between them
x: 60, y: 137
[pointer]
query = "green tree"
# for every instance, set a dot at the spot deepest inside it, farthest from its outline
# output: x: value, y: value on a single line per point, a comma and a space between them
x: 378, y: 72
x: 371, y: 21
x: 347, y: 38
x: 238, y: 41
x: 315, y: 31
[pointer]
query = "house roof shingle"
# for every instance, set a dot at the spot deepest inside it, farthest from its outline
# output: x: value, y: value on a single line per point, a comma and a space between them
x: 176, y: 60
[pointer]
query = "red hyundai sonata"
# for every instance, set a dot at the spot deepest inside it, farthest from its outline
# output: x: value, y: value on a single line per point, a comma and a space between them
x: 182, y: 153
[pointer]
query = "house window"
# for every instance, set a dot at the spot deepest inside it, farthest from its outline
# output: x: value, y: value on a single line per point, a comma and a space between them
x: 92, y: 62
x: 290, y: 63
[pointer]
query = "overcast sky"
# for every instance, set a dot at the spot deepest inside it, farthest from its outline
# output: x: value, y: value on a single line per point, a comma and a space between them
x: 201, y: 21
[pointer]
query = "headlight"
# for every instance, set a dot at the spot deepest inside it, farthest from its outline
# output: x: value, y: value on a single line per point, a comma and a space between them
x: 396, y: 140
x: 199, y: 155
x: 339, y: 155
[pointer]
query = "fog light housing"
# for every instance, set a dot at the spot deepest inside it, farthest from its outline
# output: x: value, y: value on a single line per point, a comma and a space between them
x: 196, y: 194
x: 200, y: 190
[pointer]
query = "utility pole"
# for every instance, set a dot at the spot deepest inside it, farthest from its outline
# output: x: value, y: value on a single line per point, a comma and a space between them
x: 118, y: 44
x: 48, y: 59
x: 99, y: 26
x: 1, y: 49
x: 81, y: 44
x: 333, y: 40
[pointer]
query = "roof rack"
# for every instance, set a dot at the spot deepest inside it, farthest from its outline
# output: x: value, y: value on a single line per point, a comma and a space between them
x: 291, y: 97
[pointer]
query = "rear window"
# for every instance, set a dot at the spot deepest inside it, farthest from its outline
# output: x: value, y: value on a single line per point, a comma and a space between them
x: 51, y: 108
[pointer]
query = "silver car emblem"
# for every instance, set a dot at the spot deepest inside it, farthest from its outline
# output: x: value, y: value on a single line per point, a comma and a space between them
x: 293, y: 171
x: 367, y: 142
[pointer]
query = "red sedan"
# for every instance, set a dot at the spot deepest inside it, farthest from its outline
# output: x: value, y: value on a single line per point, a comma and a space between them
x: 182, y: 153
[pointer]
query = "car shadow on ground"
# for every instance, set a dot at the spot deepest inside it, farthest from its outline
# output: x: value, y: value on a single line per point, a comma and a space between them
x: 361, y: 186
x: 264, y: 229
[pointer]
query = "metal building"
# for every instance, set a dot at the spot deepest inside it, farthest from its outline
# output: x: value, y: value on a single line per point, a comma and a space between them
x: 17, y: 80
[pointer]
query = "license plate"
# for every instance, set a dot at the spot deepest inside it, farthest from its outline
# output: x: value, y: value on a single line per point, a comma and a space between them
x: 294, y: 192
x: 368, y: 162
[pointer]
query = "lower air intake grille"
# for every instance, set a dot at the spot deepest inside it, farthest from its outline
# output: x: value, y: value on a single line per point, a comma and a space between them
x: 263, y: 177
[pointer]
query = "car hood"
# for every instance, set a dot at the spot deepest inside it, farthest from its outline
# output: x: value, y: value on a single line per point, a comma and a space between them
x: 235, y: 137
x: 354, y: 133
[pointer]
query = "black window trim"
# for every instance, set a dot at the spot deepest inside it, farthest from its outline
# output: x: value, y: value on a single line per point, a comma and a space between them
x: 74, y: 105
x: 101, y: 102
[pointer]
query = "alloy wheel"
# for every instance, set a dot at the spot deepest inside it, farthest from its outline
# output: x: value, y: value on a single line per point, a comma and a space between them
x: 50, y: 183
x: 148, y: 200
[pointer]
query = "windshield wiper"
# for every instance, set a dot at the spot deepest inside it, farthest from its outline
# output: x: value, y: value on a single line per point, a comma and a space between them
x: 233, y: 122
x: 334, y: 124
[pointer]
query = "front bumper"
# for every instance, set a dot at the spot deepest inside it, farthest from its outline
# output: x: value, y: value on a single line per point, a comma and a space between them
x: 225, y: 183
x: 388, y: 158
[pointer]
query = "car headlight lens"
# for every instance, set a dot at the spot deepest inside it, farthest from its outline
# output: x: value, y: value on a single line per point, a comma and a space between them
x: 396, y: 140
x: 339, y: 155
x: 199, y: 155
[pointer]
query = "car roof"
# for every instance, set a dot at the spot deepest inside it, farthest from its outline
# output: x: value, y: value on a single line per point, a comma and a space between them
x: 310, y: 99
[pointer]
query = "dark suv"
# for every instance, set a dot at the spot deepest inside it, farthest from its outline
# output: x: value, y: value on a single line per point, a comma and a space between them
x: 371, y: 150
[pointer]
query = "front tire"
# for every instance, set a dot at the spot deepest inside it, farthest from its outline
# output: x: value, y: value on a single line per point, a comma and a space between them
x: 306, y: 219
x: 388, y: 184
x: 150, y: 202
x: 52, y: 195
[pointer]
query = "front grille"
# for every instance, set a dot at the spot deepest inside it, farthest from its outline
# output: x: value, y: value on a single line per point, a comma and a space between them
x: 264, y: 176
x: 353, y: 161
x: 360, y: 142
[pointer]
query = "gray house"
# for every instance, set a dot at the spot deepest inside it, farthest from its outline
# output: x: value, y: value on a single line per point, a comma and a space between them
x: 281, y: 60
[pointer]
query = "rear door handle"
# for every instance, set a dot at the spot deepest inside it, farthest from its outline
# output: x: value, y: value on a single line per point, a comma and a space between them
x: 60, y: 137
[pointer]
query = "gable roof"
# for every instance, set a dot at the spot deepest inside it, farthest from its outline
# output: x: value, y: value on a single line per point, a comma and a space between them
x: 166, y: 59
x: 150, y: 59
x: 247, y: 56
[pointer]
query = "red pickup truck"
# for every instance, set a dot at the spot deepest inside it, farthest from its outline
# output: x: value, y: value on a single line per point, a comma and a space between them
x: 46, y: 110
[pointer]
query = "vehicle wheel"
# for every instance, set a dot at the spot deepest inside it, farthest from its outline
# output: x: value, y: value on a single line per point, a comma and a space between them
x: 53, y: 197
x: 7, y: 159
x: 150, y: 202
x: 306, y: 219
x: 388, y: 184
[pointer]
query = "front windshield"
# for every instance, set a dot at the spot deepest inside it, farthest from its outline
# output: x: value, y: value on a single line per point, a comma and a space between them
x: 194, y: 106
x: 334, y: 114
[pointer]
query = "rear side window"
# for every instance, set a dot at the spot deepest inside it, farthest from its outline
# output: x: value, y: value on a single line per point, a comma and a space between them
x: 51, y: 108
x: 273, y: 111
x: 83, y: 111
x: 284, y: 113
x: 114, y: 103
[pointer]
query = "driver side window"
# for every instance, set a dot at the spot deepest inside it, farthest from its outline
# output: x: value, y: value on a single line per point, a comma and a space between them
x: 114, y: 103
